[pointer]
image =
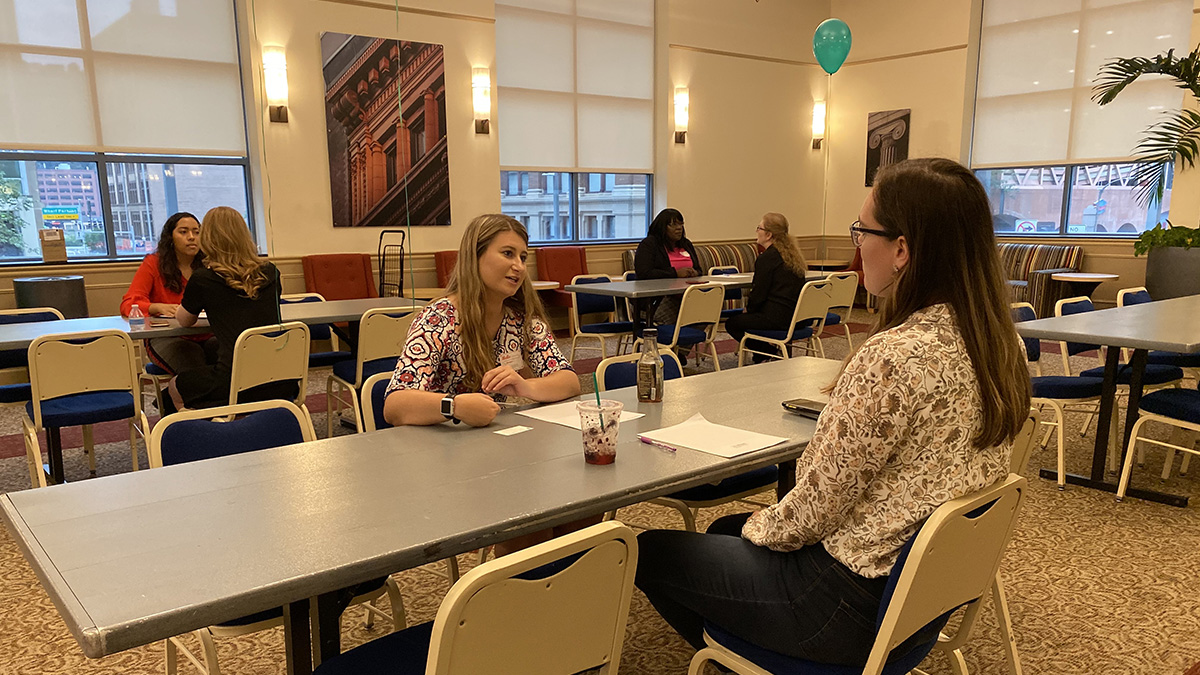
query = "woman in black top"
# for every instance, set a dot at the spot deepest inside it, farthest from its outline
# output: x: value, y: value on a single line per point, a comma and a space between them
x: 665, y: 254
x: 239, y: 291
x: 778, y: 278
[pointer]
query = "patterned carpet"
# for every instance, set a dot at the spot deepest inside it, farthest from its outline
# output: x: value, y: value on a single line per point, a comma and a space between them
x: 1094, y: 586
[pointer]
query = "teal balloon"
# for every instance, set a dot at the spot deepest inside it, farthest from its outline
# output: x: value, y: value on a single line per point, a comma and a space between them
x: 831, y: 44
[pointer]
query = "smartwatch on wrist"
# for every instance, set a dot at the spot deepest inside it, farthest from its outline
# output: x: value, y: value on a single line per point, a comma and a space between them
x: 448, y: 408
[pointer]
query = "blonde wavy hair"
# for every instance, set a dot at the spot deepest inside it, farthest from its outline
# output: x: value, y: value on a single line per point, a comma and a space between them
x: 229, y: 251
x: 777, y: 225
x: 468, y: 286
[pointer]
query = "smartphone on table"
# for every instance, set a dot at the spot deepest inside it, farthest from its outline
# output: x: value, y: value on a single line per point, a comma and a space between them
x: 804, y: 407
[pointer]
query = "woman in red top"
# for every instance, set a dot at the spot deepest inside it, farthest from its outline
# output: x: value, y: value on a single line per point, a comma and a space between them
x: 158, y: 287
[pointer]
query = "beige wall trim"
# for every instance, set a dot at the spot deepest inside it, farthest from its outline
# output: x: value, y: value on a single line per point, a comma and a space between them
x: 738, y: 55
x: 909, y: 55
x: 413, y: 10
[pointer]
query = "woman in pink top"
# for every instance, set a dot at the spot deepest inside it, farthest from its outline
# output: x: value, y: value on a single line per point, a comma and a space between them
x: 666, y: 253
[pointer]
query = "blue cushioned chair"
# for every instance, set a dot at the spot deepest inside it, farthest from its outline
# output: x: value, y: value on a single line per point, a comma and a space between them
x: 1189, y: 362
x: 508, y: 616
x: 621, y: 371
x: 79, y: 379
x: 951, y: 562
x: 733, y: 296
x: 699, y: 316
x: 210, y: 433
x: 593, y: 304
x: 1062, y: 393
x: 319, y: 332
x: 14, y: 363
x: 808, y: 320
x: 1179, y: 408
x: 381, y: 337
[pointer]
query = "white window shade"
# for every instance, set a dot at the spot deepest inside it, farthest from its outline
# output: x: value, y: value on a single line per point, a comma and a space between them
x: 54, y: 105
x: 201, y: 30
x: 575, y: 84
x: 1037, y: 63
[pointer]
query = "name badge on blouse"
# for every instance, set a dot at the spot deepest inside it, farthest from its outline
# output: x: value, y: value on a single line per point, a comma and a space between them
x: 684, y: 253
x: 512, y: 360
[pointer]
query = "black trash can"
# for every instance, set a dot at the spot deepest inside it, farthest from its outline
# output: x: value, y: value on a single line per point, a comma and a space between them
x: 66, y: 294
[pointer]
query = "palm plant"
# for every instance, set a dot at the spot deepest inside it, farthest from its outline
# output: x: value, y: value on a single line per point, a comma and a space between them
x: 1173, y: 139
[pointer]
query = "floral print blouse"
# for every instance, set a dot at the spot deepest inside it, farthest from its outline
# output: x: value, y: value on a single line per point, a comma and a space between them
x: 433, y: 358
x: 893, y: 444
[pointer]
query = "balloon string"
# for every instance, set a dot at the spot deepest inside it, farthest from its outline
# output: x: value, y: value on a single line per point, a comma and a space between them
x: 824, y: 253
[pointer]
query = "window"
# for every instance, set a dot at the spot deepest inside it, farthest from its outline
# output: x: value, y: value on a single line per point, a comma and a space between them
x: 622, y: 205
x: 111, y: 166
x: 1084, y: 199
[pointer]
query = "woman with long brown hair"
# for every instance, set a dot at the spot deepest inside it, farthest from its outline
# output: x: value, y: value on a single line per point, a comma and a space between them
x: 924, y: 411
x: 238, y: 290
x: 778, y: 277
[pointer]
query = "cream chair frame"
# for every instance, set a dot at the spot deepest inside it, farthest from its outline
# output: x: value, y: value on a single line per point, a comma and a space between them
x: 841, y: 297
x: 632, y: 358
x: 701, y: 304
x: 105, y: 363
x: 812, y: 303
x: 934, y: 580
x: 334, y: 345
x: 260, y: 358
x: 20, y: 374
x: 1183, y: 439
x: 581, y: 611
x: 576, y: 322
x: 738, y: 304
x: 1037, y: 365
x: 207, y: 661
x: 380, y: 336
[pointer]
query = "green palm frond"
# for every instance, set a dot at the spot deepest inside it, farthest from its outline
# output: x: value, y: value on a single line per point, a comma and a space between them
x: 1117, y: 74
x: 1175, y: 139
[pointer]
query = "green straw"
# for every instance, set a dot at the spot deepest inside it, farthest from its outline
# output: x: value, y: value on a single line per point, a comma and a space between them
x: 599, y: 407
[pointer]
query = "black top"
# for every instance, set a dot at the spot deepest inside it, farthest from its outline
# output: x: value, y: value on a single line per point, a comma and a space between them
x: 229, y: 311
x: 651, y: 260
x: 776, y: 287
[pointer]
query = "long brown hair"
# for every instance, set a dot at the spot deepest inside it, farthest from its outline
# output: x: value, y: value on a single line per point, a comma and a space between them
x: 777, y: 225
x: 168, y: 258
x: 466, y: 283
x: 942, y: 211
x: 229, y: 251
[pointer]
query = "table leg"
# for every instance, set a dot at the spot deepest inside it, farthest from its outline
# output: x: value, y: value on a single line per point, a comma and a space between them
x: 787, y: 479
x: 328, y: 621
x: 54, y: 450
x: 296, y: 640
x: 1082, y: 288
x: 1108, y: 394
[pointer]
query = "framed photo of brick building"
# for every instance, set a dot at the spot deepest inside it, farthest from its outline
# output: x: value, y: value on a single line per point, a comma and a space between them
x: 385, y: 111
x: 887, y: 140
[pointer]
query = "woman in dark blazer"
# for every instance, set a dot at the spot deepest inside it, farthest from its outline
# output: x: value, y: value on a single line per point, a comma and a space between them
x: 665, y: 253
x: 778, y: 278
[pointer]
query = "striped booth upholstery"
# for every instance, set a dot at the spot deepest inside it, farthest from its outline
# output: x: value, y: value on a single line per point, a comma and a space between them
x: 740, y: 255
x: 1029, y: 267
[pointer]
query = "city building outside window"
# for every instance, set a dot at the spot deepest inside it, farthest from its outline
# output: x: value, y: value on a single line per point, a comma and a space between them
x: 620, y: 202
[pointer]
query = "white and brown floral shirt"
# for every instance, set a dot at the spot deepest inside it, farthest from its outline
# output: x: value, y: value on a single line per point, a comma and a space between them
x: 894, y: 443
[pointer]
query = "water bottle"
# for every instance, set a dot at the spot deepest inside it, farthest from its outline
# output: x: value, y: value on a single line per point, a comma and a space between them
x: 650, y: 369
x: 137, y: 320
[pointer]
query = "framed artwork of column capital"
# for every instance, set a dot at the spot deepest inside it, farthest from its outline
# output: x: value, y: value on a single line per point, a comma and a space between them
x: 385, y: 112
x: 887, y: 140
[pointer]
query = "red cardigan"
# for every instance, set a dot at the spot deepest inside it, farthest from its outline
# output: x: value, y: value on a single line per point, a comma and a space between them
x: 147, y: 288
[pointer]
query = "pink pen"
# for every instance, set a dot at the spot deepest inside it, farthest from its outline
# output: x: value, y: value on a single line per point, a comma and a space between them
x: 656, y: 444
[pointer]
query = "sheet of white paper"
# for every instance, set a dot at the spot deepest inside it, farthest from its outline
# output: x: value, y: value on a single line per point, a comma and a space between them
x: 698, y: 433
x: 567, y: 414
x: 512, y: 431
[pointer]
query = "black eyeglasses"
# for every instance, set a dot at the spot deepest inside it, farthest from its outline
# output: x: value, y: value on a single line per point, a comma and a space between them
x: 857, y: 231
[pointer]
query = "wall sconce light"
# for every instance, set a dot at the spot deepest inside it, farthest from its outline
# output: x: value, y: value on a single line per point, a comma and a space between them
x: 481, y: 90
x: 818, y: 124
x: 681, y: 114
x: 275, y: 81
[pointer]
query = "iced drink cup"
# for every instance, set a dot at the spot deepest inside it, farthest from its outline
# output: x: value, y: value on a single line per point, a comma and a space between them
x: 600, y: 424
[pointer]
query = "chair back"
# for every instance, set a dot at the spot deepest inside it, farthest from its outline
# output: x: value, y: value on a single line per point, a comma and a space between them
x: 701, y: 305
x: 952, y: 562
x: 372, y: 394
x: 1137, y: 295
x: 617, y: 372
x: 732, y: 295
x: 13, y: 362
x: 1022, y: 446
x: 382, y: 333
x: 77, y: 363
x: 493, y: 617
x: 1065, y: 307
x: 316, y: 331
x: 841, y: 295
x: 194, y: 435
x: 1023, y: 311
x: 339, y: 276
x: 561, y: 263
x: 265, y: 354
x: 816, y: 297
x: 443, y: 263
x: 591, y: 303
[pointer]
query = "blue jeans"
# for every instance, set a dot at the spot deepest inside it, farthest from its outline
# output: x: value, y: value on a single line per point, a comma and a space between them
x: 804, y: 604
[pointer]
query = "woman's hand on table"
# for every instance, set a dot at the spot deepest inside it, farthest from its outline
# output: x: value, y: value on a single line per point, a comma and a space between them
x: 687, y: 272
x: 477, y: 410
x: 505, y: 380
x: 163, y: 309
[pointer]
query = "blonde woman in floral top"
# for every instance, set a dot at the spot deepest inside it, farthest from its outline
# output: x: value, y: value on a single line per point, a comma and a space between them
x: 923, y: 412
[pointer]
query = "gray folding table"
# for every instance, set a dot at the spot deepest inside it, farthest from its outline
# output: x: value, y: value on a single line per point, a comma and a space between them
x: 135, y: 558
x: 1169, y: 325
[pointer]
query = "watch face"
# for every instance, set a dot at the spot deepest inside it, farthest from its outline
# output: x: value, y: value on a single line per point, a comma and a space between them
x: 448, y: 407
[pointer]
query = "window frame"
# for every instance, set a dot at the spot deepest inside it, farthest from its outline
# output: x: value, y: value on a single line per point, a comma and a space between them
x: 574, y: 220
x: 102, y: 159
